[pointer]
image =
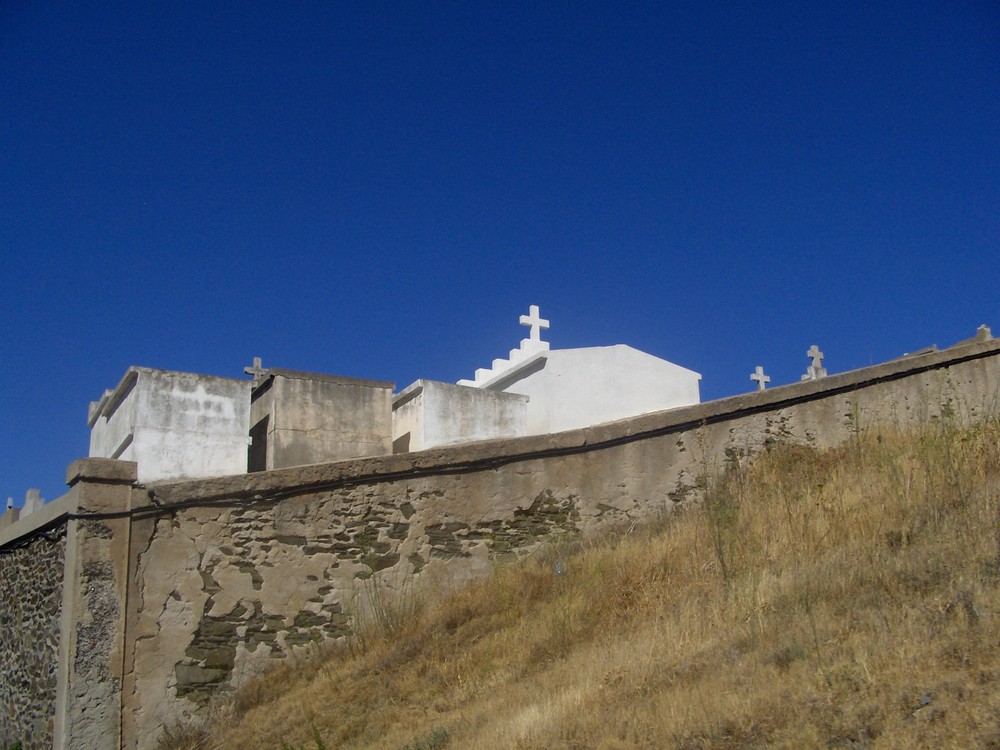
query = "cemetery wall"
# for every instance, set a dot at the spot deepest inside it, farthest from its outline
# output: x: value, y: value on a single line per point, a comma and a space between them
x: 232, y: 575
x: 176, y: 593
x: 31, y: 574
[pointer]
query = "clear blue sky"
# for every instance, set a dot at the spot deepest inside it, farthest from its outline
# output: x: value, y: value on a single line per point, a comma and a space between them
x: 380, y: 189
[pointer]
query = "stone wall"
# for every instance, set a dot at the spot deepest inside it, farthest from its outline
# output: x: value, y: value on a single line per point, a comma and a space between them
x: 234, y: 574
x: 31, y: 574
x: 176, y: 593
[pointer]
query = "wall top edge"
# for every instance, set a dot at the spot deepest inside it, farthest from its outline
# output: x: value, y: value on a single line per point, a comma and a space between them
x: 505, y: 450
x: 47, y: 515
x: 105, y: 470
x: 335, y: 379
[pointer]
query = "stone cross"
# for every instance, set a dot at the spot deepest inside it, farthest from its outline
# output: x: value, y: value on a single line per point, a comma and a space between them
x: 256, y: 370
x: 816, y: 356
x: 760, y: 377
x: 535, y: 323
x: 815, y: 371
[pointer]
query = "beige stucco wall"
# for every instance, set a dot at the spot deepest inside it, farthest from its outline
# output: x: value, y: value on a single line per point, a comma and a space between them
x: 237, y: 572
x: 314, y: 418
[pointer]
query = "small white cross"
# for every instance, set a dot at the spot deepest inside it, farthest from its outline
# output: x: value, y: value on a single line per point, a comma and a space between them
x: 256, y: 370
x: 760, y: 377
x: 816, y: 356
x: 535, y: 323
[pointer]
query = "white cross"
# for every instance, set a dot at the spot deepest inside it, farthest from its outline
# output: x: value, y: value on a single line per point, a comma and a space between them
x: 535, y: 323
x: 816, y: 355
x: 256, y: 370
x: 760, y: 377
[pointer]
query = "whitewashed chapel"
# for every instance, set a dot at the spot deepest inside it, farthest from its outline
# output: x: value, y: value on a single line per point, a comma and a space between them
x: 180, y: 425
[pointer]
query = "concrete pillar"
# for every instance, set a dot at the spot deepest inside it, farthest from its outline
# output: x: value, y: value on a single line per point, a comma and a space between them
x: 91, y: 646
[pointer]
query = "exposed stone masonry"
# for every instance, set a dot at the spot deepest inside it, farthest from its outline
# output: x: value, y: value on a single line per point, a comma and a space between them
x: 256, y: 560
x: 183, y: 591
x: 30, y: 601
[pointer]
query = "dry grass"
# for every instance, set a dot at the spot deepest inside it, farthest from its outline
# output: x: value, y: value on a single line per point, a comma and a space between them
x: 838, y: 599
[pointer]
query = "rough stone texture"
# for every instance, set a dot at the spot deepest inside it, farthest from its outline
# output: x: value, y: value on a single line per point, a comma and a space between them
x: 31, y: 576
x: 177, y: 592
x: 92, y: 653
x: 241, y: 571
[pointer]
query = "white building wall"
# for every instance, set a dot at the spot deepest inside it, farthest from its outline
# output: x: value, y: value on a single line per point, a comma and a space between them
x: 571, y: 388
x: 175, y: 425
x: 429, y: 413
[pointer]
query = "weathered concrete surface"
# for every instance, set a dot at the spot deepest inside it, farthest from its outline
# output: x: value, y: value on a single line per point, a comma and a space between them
x: 92, y: 612
x: 175, y: 592
x: 238, y: 571
x: 303, y: 418
x: 427, y: 414
x: 173, y: 424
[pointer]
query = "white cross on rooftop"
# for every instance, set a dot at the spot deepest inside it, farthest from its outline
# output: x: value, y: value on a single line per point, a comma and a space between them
x: 816, y: 355
x: 535, y: 323
x: 760, y: 377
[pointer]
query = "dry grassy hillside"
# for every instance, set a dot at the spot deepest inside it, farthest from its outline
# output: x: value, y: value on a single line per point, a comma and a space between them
x: 837, y: 599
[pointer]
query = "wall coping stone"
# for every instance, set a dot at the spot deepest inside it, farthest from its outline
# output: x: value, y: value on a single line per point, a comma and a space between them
x: 103, y: 470
x: 336, y: 379
x: 487, y: 454
x: 47, y: 515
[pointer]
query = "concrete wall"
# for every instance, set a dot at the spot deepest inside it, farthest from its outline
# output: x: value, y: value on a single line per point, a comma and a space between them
x: 242, y: 571
x: 179, y: 591
x: 427, y: 414
x: 173, y: 424
x: 573, y: 388
x: 312, y: 418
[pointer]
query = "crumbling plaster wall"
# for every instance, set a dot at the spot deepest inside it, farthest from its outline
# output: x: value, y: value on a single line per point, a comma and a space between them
x: 244, y: 571
x: 31, y: 575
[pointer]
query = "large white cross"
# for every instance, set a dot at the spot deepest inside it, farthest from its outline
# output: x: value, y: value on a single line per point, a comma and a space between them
x: 760, y: 377
x: 535, y: 323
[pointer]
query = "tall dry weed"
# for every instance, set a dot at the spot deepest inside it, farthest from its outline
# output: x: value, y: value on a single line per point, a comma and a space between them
x: 841, y: 598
